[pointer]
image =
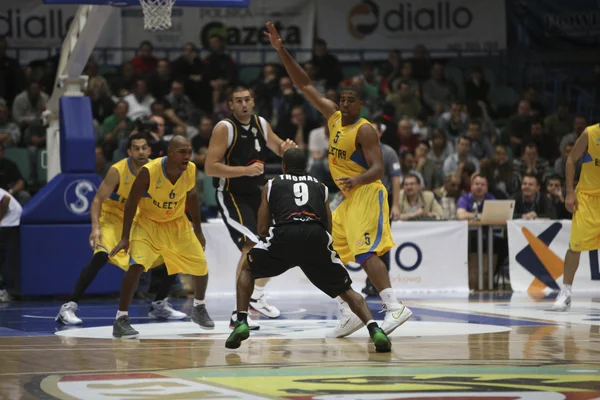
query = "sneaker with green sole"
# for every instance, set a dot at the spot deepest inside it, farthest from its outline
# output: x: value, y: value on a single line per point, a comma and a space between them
x: 382, y: 342
x: 240, y: 333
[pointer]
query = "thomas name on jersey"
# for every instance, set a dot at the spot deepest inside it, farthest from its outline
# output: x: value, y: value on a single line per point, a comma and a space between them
x: 298, y: 178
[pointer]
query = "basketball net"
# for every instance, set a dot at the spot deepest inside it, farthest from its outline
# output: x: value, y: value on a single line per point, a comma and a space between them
x: 157, y: 14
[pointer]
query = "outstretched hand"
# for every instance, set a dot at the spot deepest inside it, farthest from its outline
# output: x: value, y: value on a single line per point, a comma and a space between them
x: 274, y: 37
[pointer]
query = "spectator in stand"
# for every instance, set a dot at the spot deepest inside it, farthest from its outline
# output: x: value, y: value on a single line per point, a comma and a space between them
x: 454, y: 122
x: 158, y: 108
x: 144, y: 63
x: 476, y: 88
x: 10, y: 134
x: 189, y: 69
x: 285, y: 101
x: 265, y: 90
x: 311, y: 71
x: 405, y: 102
x: 561, y: 163
x: 417, y: 204
x: 547, y: 144
x: 421, y: 63
x: 462, y: 155
x: 391, y: 71
x: 519, y: 127
x: 438, y: 90
x: 99, y: 93
x: 298, y: 128
x: 465, y: 173
x: 139, y: 101
x: 12, y: 79
x: 531, y: 163
x: 11, y: 179
x: 432, y: 176
x: 499, y: 174
x: 560, y: 123
x: 221, y: 69
x: 177, y: 131
x: 481, y: 147
x: 530, y: 203
x: 179, y: 109
x: 329, y: 70
x: 116, y: 129
x: 157, y: 143
x: 407, y: 166
x: 102, y: 166
x: 29, y: 105
x: 579, y: 125
x: 126, y: 80
x: 48, y: 77
x: 408, y: 141
x: 407, y: 76
x: 200, y: 148
x: 91, y: 69
x: 554, y: 192
x: 441, y: 148
x: 369, y: 83
x: 533, y: 97
x: 159, y: 81
x: 448, y: 194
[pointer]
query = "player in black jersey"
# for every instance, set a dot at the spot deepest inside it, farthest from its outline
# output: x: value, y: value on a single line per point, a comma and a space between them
x: 237, y: 152
x: 301, y: 236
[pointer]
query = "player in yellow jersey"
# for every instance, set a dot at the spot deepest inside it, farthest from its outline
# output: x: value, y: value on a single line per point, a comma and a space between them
x: 107, y: 221
x: 361, y: 225
x: 584, y: 203
x: 162, y: 190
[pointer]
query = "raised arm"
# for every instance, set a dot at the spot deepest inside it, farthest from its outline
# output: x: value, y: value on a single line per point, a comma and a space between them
x: 217, y: 147
x: 107, y: 186
x: 264, y: 213
x: 580, y: 147
x: 299, y: 76
x: 368, y: 141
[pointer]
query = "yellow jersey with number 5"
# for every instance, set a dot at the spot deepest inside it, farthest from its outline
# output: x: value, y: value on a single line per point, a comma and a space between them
x: 115, y: 203
x: 345, y: 160
x: 589, y: 180
x: 164, y: 200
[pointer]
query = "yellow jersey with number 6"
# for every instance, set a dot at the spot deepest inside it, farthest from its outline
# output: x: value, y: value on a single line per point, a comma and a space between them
x: 115, y: 203
x: 589, y: 180
x: 164, y: 200
x: 345, y: 160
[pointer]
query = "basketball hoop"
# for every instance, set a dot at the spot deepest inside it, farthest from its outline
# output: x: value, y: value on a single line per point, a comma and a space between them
x: 157, y: 14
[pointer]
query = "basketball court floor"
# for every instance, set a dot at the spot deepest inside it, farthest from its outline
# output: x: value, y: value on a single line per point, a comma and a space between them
x: 456, y: 346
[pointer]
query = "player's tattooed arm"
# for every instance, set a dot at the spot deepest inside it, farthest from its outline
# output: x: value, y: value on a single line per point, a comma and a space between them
x: 264, y: 214
x: 217, y: 147
x: 580, y: 147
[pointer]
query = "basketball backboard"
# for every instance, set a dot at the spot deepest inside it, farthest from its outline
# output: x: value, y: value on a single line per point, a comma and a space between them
x: 178, y: 3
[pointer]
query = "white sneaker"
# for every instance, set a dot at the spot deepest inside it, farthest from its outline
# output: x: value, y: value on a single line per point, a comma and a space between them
x: 563, y: 301
x: 66, y: 315
x: 162, y: 310
x: 395, y: 315
x: 262, y: 306
x: 348, y: 323
x: 251, y: 324
x: 4, y: 296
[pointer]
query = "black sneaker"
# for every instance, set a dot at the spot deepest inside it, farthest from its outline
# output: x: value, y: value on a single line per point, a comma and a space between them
x: 201, y: 317
x: 233, y: 321
x: 122, y: 328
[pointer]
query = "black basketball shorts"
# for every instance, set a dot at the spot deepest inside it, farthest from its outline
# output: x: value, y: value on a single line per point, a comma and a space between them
x: 306, y: 245
x: 240, y: 214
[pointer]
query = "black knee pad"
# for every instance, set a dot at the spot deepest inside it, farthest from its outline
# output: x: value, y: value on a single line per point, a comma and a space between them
x: 99, y: 259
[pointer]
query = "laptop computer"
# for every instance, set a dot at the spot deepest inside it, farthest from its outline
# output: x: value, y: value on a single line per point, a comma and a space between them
x: 497, y: 210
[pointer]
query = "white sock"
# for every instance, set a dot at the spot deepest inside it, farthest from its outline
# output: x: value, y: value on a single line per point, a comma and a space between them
x: 342, y: 303
x: 258, y: 292
x: 121, y: 313
x: 369, y: 322
x: 388, y: 295
x: 198, y: 302
x: 567, y: 288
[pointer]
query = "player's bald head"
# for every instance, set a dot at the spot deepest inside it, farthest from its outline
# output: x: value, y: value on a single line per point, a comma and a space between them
x: 294, y: 161
x: 178, y: 142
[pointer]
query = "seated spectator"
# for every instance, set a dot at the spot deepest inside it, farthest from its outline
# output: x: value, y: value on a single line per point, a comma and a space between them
x: 116, y: 128
x: 465, y: 174
x: 179, y: 109
x: 470, y: 205
x: 29, y: 105
x: 481, y: 147
x: 177, y: 131
x: 462, y: 155
x: 139, y: 101
x: 408, y: 140
x: 407, y: 76
x: 432, y: 175
x: 220, y: 67
x: 159, y: 81
x: 405, y: 102
x: 102, y: 166
x: 144, y: 63
x: 421, y: 127
x: 368, y: 83
x: 99, y: 93
x: 10, y: 134
x: 476, y: 88
x: 547, y: 144
x: 438, y: 90
x: 416, y: 204
x: 454, y: 122
x: 554, y: 192
x: 122, y: 84
x: 519, y: 127
x: 11, y: 179
x: 10, y: 220
x: 265, y: 91
x: 157, y: 143
x: 189, y: 69
x: 441, y: 148
x: 329, y: 70
x: 560, y: 164
x: 532, y: 96
x: 448, y: 194
x: 285, y: 101
x: 531, y: 163
x: 421, y: 63
x: 407, y: 166
x: 559, y: 123
x: 530, y: 203
x: 499, y: 174
x: 390, y: 71
x: 297, y: 128
x: 579, y: 125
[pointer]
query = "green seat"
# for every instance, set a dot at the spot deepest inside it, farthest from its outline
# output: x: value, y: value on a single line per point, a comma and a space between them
x: 209, y: 192
x: 42, y: 166
x: 21, y: 158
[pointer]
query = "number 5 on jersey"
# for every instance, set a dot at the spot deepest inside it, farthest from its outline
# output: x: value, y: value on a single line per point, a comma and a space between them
x: 301, y: 193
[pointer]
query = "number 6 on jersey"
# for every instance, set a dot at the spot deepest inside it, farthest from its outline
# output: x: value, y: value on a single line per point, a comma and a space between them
x: 301, y: 193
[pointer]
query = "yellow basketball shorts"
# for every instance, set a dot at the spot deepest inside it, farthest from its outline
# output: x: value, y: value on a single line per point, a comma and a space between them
x: 361, y: 224
x: 174, y: 241
x: 585, y: 228
x: 111, y: 226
